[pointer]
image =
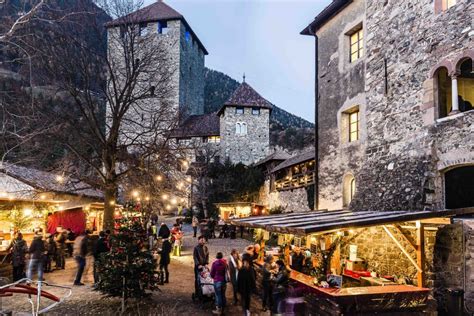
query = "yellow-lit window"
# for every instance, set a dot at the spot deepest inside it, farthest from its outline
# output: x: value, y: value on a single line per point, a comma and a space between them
x: 214, y: 139
x: 448, y: 4
x: 357, y: 45
x: 353, y: 126
x: 353, y: 188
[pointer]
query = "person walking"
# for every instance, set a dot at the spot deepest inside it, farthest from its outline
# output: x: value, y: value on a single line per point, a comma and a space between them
x: 101, y: 247
x: 268, y: 269
x: 234, y: 266
x: 165, y: 259
x: 19, y: 249
x: 195, y: 224
x: 80, y: 252
x: 281, y: 285
x: 36, y: 251
x: 200, y: 258
x: 50, y: 252
x: 246, y: 284
x: 219, y: 273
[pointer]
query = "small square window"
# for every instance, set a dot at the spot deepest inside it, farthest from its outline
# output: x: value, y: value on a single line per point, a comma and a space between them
x: 255, y: 111
x: 187, y: 36
x: 239, y: 110
x: 162, y: 27
x: 356, y: 45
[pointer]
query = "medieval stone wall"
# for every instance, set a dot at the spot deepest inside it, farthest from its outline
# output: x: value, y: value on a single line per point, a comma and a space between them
x: 248, y: 148
x: 291, y: 200
x: 341, y: 87
x: 191, y: 75
x: 408, y: 147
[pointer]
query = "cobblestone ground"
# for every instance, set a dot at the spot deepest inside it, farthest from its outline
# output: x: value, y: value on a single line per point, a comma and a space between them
x: 174, y: 298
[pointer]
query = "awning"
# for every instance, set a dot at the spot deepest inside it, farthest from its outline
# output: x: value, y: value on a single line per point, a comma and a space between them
x: 304, y: 223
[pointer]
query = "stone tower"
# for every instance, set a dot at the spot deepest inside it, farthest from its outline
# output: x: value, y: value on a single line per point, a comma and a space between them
x: 244, y: 126
x: 159, y: 24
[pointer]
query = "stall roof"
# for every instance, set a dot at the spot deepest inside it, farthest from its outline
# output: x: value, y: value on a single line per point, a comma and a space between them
x: 304, y: 223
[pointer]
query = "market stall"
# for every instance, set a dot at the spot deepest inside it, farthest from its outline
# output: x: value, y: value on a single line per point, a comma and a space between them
x: 240, y: 210
x: 357, y: 262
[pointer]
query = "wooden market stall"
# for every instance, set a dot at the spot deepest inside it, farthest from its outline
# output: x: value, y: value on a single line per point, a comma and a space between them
x: 240, y: 209
x: 364, y: 258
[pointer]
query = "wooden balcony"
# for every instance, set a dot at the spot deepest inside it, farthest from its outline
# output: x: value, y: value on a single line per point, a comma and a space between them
x: 294, y: 182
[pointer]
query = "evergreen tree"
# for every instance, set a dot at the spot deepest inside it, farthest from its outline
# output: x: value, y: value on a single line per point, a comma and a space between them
x: 129, y: 269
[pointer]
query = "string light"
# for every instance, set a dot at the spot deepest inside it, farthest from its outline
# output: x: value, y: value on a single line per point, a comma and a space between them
x: 164, y: 197
x: 59, y: 178
x: 173, y: 201
x: 112, y: 202
x: 168, y: 207
x: 183, y: 200
x: 135, y: 193
x: 42, y: 196
x: 147, y: 198
x: 189, y: 179
x: 27, y: 212
x: 185, y: 163
x: 159, y: 178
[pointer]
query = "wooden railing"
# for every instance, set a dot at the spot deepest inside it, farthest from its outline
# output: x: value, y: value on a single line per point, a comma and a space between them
x: 295, y: 181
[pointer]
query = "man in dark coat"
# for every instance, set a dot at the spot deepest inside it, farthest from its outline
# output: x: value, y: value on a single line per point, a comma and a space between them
x: 19, y: 249
x: 36, y: 251
x: 101, y: 247
x: 165, y: 258
x: 164, y: 231
x: 246, y: 284
x: 281, y: 285
x: 200, y: 258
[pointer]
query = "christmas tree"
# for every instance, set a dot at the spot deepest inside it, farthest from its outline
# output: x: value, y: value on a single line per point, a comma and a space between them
x: 129, y: 269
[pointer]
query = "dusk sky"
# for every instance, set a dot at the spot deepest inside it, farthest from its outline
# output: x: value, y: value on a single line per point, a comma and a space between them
x: 260, y: 38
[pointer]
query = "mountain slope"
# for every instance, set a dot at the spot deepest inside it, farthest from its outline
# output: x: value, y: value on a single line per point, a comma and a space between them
x: 286, y: 130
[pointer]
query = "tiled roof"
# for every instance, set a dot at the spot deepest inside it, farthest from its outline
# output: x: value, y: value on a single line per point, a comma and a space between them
x: 198, y: 126
x: 46, y: 181
x: 246, y: 96
x: 277, y: 155
x: 158, y: 11
x: 304, y: 156
x: 331, y: 10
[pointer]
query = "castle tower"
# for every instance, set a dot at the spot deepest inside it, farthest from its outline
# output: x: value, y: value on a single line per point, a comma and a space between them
x: 159, y: 24
x: 245, y: 126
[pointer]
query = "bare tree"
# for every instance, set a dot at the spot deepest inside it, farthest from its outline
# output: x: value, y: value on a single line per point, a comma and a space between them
x: 114, y: 108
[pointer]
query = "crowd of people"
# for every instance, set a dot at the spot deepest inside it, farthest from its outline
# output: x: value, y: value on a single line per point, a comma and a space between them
x: 38, y: 258
x: 239, y: 270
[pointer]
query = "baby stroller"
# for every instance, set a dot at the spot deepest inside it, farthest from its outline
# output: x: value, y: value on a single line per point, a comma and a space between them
x: 205, y: 292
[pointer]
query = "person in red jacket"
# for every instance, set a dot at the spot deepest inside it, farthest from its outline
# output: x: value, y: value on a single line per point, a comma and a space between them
x: 219, y: 270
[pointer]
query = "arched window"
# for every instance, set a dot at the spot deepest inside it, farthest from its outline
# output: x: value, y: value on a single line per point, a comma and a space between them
x: 444, y: 98
x: 238, y: 128
x: 459, y: 187
x: 244, y: 129
x: 348, y: 189
x: 466, y: 85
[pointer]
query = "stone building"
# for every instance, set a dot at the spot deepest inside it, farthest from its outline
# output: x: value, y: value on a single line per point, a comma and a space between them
x: 239, y: 131
x: 394, y: 94
x: 289, y: 181
x: 390, y: 122
x: 161, y: 27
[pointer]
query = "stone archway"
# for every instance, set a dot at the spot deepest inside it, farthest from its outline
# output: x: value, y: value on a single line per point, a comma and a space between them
x: 459, y: 187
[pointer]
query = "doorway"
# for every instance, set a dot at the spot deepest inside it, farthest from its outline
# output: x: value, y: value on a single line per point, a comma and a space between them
x: 459, y: 187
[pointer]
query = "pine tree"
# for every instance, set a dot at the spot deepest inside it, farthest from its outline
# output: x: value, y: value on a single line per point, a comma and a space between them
x: 129, y: 269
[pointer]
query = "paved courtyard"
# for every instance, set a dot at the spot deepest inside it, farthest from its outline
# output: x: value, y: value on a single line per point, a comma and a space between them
x: 174, y: 298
